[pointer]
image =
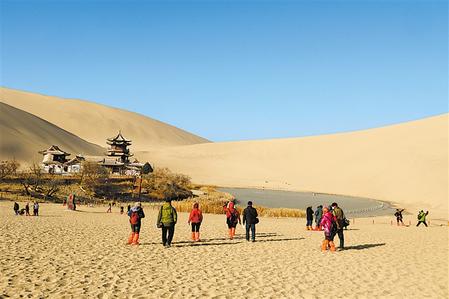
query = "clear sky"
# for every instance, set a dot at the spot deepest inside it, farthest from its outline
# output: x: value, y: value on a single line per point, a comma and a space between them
x: 236, y: 70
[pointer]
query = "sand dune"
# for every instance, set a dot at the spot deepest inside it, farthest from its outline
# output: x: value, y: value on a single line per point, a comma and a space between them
x: 405, y: 163
x: 83, y: 255
x: 95, y: 123
x: 22, y: 135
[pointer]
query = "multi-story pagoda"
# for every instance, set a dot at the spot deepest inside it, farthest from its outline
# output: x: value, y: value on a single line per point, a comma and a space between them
x: 118, y: 148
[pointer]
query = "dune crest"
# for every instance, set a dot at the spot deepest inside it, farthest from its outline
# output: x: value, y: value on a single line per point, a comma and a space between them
x: 94, y: 122
x: 406, y: 164
x: 22, y: 135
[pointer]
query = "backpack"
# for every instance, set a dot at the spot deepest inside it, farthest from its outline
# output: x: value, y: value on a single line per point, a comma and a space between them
x: 134, y: 219
x: 233, y: 218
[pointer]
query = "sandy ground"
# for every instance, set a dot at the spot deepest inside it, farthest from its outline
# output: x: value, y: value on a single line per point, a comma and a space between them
x: 83, y: 254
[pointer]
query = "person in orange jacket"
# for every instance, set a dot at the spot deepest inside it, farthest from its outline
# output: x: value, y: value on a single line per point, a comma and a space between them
x: 135, y: 219
x: 195, y: 219
x: 232, y: 218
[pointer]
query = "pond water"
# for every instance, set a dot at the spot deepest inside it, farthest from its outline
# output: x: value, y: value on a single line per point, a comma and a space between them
x: 352, y: 206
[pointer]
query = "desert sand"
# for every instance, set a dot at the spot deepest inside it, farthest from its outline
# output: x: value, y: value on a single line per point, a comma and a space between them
x: 94, y: 123
x: 23, y: 135
x: 406, y: 164
x: 83, y: 255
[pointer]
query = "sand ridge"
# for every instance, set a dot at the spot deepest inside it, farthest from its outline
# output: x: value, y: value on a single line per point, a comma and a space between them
x: 23, y: 135
x: 82, y: 254
x: 80, y: 117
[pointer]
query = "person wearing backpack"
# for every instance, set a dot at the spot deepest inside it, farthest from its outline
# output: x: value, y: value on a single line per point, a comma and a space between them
x: 340, y: 222
x: 422, y: 218
x: 398, y: 216
x: 328, y: 223
x: 166, y: 220
x: 250, y: 219
x: 195, y: 218
x: 135, y: 216
x: 232, y: 218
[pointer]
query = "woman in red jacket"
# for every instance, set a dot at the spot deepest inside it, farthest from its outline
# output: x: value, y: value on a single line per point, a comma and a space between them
x: 195, y: 218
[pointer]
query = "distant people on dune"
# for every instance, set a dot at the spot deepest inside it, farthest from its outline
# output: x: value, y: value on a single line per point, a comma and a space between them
x: 422, y: 218
x: 166, y: 220
x: 318, y: 216
x: 135, y: 219
x: 328, y: 223
x: 27, y: 209
x: 340, y: 221
x: 36, y: 209
x: 232, y: 218
x: 16, y: 208
x: 109, y: 208
x: 195, y: 219
x: 398, y: 216
x: 309, y: 218
x: 250, y: 220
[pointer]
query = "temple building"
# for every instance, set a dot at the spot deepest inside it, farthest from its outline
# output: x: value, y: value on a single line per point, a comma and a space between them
x: 116, y: 159
x: 55, y: 161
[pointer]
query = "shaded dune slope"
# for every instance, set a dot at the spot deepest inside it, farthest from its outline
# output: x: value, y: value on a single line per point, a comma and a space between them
x: 22, y: 135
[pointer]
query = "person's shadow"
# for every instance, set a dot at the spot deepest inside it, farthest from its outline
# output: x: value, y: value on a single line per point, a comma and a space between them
x: 364, y: 246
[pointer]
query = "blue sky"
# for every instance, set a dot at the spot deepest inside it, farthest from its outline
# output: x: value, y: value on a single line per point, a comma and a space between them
x: 236, y: 70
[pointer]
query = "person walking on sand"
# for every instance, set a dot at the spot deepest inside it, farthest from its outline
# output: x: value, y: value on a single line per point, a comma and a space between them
x: 129, y: 208
x: 135, y: 219
x: 340, y: 222
x: 36, y: 209
x: 27, y: 209
x: 318, y: 216
x: 398, y: 216
x: 250, y: 220
x: 329, y: 226
x: 232, y: 218
x: 122, y: 210
x: 166, y: 220
x: 109, y: 209
x: 422, y: 218
x: 16, y: 208
x: 309, y: 218
x: 195, y: 219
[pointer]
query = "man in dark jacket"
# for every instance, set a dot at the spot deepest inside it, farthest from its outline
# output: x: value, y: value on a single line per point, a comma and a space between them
x: 309, y: 218
x: 135, y: 219
x: 340, y: 218
x: 250, y: 219
x: 16, y: 208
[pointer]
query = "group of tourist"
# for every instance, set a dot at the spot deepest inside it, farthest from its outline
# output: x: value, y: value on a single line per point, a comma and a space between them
x: 26, y: 211
x: 168, y: 217
x: 421, y: 217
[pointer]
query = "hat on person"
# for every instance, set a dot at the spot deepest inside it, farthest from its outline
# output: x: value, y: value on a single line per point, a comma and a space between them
x: 137, y: 204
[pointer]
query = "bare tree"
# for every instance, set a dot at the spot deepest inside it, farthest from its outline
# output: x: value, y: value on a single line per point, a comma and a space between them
x: 93, y: 178
x: 8, y: 168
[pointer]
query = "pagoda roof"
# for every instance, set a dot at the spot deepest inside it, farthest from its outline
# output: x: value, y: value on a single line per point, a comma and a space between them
x: 118, y: 139
x: 54, y: 150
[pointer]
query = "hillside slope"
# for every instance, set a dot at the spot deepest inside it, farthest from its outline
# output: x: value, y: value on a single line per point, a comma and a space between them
x: 22, y: 135
x: 405, y: 163
x: 94, y: 122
